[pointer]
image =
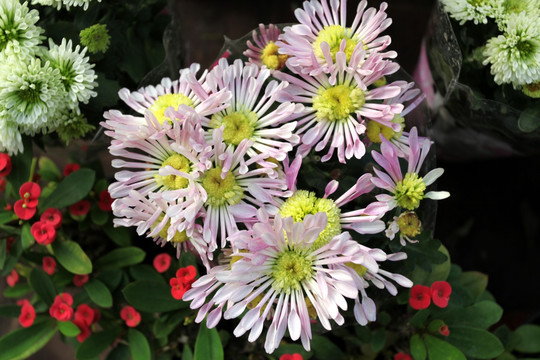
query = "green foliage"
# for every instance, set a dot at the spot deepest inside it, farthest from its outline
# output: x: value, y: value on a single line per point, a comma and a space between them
x: 418, y: 348
x: 72, y: 189
x: 68, y: 328
x: 326, y: 349
x: 119, y: 258
x: 152, y: 296
x: 208, y: 345
x: 529, y: 339
x: 475, y: 342
x: 42, y: 284
x: 48, y: 170
x: 438, y: 349
x: 96, y: 343
x: 70, y: 255
x: 99, y: 293
x: 22, y: 343
x: 138, y: 345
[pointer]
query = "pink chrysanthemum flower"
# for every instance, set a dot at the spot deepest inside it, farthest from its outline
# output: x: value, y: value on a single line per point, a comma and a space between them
x: 407, y: 225
x: 279, y: 276
x: 314, y: 44
x: 406, y: 190
x: 337, y: 106
x: 265, y: 51
x: 253, y: 112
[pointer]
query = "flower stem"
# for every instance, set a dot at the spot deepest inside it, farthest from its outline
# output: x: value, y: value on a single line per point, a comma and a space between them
x: 32, y: 169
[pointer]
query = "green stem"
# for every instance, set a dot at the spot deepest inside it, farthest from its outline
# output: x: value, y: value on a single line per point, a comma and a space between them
x: 32, y: 169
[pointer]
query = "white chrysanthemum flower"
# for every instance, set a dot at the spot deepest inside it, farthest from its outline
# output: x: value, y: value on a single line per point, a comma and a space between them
x: 18, y: 32
x: 76, y: 72
x: 67, y: 3
x: 515, y: 55
x: 476, y: 10
x: 10, y: 137
x: 30, y: 91
x: 509, y: 7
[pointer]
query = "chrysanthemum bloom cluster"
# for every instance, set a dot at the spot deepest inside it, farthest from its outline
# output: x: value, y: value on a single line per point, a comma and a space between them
x: 37, y: 85
x: 66, y: 3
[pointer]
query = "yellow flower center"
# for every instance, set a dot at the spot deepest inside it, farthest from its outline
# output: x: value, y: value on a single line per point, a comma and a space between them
x: 175, y: 182
x: 290, y: 270
x: 271, y: 58
x: 532, y: 90
x: 360, y: 269
x: 303, y: 203
x: 178, y: 237
x: 337, y: 102
x: 221, y: 191
x: 373, y: 129
x: 410, y: 191
x: 409, y: 224
x: 334, y: 35
x: 239, y: 125
x: 163, y: 102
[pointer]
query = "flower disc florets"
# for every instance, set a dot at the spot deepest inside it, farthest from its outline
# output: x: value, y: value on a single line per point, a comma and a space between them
x: 291, y: 270
x: 338, y: 102
x: 410, y: 191
x: 221, y: 191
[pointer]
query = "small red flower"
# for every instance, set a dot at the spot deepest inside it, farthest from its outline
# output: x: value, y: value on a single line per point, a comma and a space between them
x: 80, y: 209
x: 84, y: 330
x: 440, y: 292
x: 420, y: 297
x: 29, y: 192
x: 49, y: 264
x: 186, y: 274
x: 5, y: 164
x: 43, y: 232
x: 65, y: 298
x: 80, y: 280
x: 295, y: 356
x: 130, y: 316
x: 69, y: 168
x: 444, y: 331
x: 12, y: 278
x: 84, y: 314
x: 23, y: 211
x: 2, y: 184
x: 402, y: 356
x: 28, y: 313
x: 162, y: 262
x: 105, y: 201
x: 177, y: 288
x: 52, y: 216
x: 61, y: 309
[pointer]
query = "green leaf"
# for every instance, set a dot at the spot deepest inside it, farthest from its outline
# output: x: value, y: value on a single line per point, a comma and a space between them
x: 419, y: 319
x: 48, y: 169
x: 120, y: 258
x: 475, y: 342
x: 145, y: 272
x: 120, y: 352
x: 7, y: 216
x: 22, y: 343
x: 10, y: 311
x: 378, y: 339
x: 326, y: 349
x: 292, y: 349
x: 121, y: 236
x: 152, y: 296
x: 27, y: 239
x: 166, y: 324
x: 73, y: 188
x: 529, y: 119
x: 483, y: 314
x: 98, y: 216
x: 138, y: 345
x: 21, y: 165
x: 418, y: 349
x: 439, y: 272
x: 111, y: 278
x: 99, y: 293
x: 96, y: 343
x: 187, y: 354
x: 42, y: 285
x: 17, y: 291
x: 70, y: 255
x: 3, y: 254
x: 529, y: 339
x: 474, y: 281
x: 441, y: 350
x: 68, y: 328
x: 208, y: 345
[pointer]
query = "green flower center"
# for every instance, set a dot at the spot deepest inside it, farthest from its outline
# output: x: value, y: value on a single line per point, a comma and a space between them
x: 221, y: 191
x: 290, y: 270
x: 7, y: 34
x: 515, y: 6
x: 30, y: 93
x: 373, y: 129
x: 409, y: 224
x: 96, y: 38
x: 239, y: 125
x: 175, y: 182
x: 338, y: 102
x: 333, y: 35
x: 163, y: 102
x: 410, y: 191
x: 360, y: 269
x: 303, y: 203
x: 271, y: 58
x: 525, y: 48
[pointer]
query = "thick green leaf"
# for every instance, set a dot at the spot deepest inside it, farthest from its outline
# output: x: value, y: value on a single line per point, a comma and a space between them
x: 22, y: 343
x: 529, y: 339
x: 99, y: 293
x: 27, y: 239
x: 145, y: 272
x: 16, y: 291
x: 68, y: 328
x: 138, y: 345
x: 42, y: 285
x: 483, y: 314
x: 70, y: 255
x: 475, y: 342
x: 418, y: 349
x: 111, y: 278
x: 48, y: 169
x: 208, y: 345
x: 96, y: 343
x: 70, y: 190
x: 120, y: 258
x: 152, y: 296
x: 474, y: 281
x: 120, y: 352
x: 187, y: 354
x: 419, y: 319
x: 10, y: 311
x: 98, y: 216
x: 326, y: 349
x: 121, y: 236
x: 21, y: 164
x: 166, y: 324
x: 441, y: 350
x: 7, y: 216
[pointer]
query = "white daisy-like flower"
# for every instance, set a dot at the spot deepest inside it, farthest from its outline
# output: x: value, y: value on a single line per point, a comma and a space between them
x: 515, y: 56
x: 472, y: 10
x: 323, y: 32
x: 67, y: 3
x: 509, y: 7
x: 253, y: 112
x: 265, y: 51
x: 10, y: 137
x: 18, y: 30
x: 30, y: 92
x: 76, y: 72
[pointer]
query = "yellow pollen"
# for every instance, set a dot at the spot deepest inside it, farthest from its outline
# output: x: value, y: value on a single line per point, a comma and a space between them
x: 311, y: 309
x: 221, y: 191
x: 239, y: 125
x: 290, y: 270
x: 410, y: 191
x: 334, y: 35
x: 175, y: 182
x: 271, y: 58
x: 337, y: 102
x: 409, y: 224
x: 360, y: 269
x: 163, y: 102
x: 373, y: 129
x: 178, y: 237
x: 380, y: 82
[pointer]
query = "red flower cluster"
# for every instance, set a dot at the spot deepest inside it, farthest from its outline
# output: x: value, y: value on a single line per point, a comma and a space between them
x: 26, y: 207
x: 80, y: 209
x: 61, y: 309
x: 69, y: 168
x: 12, y: 278
x: 49, y: 264
x: 28, y: 313
x: 130, y: 316
x: 105, y: 201
x: 85, y: 316
x: 182, y: 282
x: 80, y: 280
x: 295, y: 356
x: 5, y: 164
x: 43, y: 232
x: 162, y: 262
x: 421, y: 295
x: 52, y: 217
x: 402, y: 356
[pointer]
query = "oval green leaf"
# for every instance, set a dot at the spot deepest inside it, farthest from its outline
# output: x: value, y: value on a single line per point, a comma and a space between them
x: 475, y: 342
x: 474, y: 281
x: 96, y: 344
x: 138, y: 345
x: 27, y: 239
x: 70, y: 255
x: 438, y: 349
x: 208, y: 344
x: 99, y: 293
x: 418, y: 349
x: 483, y: 314
x: 529, y: 336
x: 120, y: 352
x: 17, y: 291
x: 120, y: 258
x: 152, y: 296
x: 22, y: 343
x: 48, y: 169
x: 68, y: 328
x: 42, y: 285
x: 70, y: 190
